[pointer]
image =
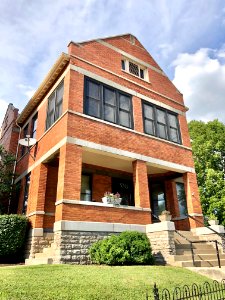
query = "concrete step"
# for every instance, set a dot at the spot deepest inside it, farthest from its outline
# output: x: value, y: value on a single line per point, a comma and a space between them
x: 203, y: 246
x: 196, y: 251
x: 203, y: 257
x: 48, y: 250
x: 184, y: 241
x: 39, y: 261
x: 200, y: 263
x: 44, y: 255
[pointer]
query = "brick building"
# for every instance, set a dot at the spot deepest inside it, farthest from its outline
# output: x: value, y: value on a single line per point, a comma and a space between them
x: 106, y: 118
x: 9, y: 132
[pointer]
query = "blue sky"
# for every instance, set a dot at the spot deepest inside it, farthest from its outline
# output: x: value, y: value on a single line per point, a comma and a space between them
x: 186, y: 38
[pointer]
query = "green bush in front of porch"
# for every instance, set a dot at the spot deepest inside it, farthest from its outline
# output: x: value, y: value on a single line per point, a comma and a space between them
x: 127, y: 248
x: 12, y: 237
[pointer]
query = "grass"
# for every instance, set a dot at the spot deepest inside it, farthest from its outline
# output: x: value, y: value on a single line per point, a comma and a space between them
x: 66, y: 282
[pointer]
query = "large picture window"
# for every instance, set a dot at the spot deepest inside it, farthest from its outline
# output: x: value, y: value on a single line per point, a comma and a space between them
x: 54, y: 105
x: 161, y: 123
x: 107, y: 103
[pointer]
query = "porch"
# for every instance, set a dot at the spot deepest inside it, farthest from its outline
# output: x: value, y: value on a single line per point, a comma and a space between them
x: 76, y: 178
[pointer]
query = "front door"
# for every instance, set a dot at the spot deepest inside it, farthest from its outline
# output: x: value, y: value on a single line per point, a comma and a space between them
x: 158, y: 198
x: 126, y: 190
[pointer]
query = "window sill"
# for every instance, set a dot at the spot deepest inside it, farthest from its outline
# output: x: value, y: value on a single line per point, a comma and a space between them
x: 100, y: 204
x: 142, y: 79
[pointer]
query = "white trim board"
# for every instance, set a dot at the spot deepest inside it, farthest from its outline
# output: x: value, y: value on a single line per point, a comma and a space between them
x: 96, y: 226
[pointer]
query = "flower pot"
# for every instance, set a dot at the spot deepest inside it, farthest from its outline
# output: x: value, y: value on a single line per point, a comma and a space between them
x: 163, y: 218
x: 213, y: 222
x: 105, y: 200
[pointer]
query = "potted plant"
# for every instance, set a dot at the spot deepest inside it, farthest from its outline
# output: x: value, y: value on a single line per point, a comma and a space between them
x: 212, y: 219
x: 110, y: 198
x: 165, y: 216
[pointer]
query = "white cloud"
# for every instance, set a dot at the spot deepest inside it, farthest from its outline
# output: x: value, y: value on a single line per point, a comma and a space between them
x: 3, y: 106
x: 201, y: 78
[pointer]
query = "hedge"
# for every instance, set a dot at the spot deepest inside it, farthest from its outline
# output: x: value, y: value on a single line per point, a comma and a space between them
x: 127, y: 248
x: 12, y: 234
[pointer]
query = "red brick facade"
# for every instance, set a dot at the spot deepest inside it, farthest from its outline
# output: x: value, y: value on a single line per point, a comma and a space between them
x: 112, y: 156
x: 9, y: 132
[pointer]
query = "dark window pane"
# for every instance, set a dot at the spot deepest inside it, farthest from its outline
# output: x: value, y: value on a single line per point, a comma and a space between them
x: 93, y: 107
x: 26, y: 194
x: 181, y: 198
x: 148, y: 111
x: 162, y: 131
x: 60, y: 92
x: 34, y: 127
x: 174, y: 136
x: 149, y: 127
x: 172, y: 120
x: 142, y: 73
x: 133, y: 69
x: 123, y: 64
x: 85, y: 188
x: 58, y: 110
x: 110, y: 113
x: 124, y: 102
x: 125, y: 119
x: 158, y: 198
x: 93, y: 90
x: 161, y: 116
x: 109, y: 96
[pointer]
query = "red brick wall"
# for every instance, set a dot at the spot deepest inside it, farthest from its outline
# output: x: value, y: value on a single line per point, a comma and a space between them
x: 9, y: 132
x: 102, y: 214
x: 100, y: 185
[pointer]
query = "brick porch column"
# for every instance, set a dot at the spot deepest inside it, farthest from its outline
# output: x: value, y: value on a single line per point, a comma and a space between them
x: 37, y: 190
x: 141, y: 189
x: 69, y: 176
x: 193, y: 199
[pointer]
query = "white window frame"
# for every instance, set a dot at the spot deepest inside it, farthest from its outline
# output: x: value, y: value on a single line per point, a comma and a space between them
x: 145, y: 69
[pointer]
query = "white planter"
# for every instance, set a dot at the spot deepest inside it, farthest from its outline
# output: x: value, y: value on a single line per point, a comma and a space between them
x: 105, y: 200
x: 163, y: 218
x: 213, y: 222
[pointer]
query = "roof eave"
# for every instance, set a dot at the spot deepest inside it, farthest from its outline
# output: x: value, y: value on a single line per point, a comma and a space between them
x: 48, y: 81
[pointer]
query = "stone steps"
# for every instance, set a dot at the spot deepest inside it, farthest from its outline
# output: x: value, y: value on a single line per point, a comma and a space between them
x: 204, y: 253
x: 201, y: 263
x: 205, y: 257
x: 39, y: 261
x: 196, y: 251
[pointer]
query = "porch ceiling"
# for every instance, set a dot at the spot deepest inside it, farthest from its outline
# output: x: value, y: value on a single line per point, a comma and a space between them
x: 112, y: 161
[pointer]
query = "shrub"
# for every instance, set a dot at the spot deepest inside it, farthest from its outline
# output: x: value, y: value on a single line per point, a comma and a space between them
x: 12, y: 234
x: 127, y: 248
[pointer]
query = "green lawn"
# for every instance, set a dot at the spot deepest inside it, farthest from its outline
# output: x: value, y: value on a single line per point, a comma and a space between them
x: 89, y: 282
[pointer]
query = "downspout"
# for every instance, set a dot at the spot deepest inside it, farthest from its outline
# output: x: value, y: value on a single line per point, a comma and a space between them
x: 14, y: 167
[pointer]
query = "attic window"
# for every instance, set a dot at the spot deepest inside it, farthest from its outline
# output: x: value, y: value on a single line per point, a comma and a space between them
x: 134, y: 69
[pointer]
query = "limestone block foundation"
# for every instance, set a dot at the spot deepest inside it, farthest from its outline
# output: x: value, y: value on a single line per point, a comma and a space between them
x: 161, y: 236
x: 37, y: 240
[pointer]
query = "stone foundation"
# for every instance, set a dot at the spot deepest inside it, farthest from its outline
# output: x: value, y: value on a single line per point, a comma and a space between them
x: 37, y: 240
x: 161, y: 236
x: 72, y: 240
x: 72, y: 246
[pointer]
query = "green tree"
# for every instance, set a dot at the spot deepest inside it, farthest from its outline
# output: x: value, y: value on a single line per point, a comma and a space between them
x: 208, y: 145
x: 6, y: 174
